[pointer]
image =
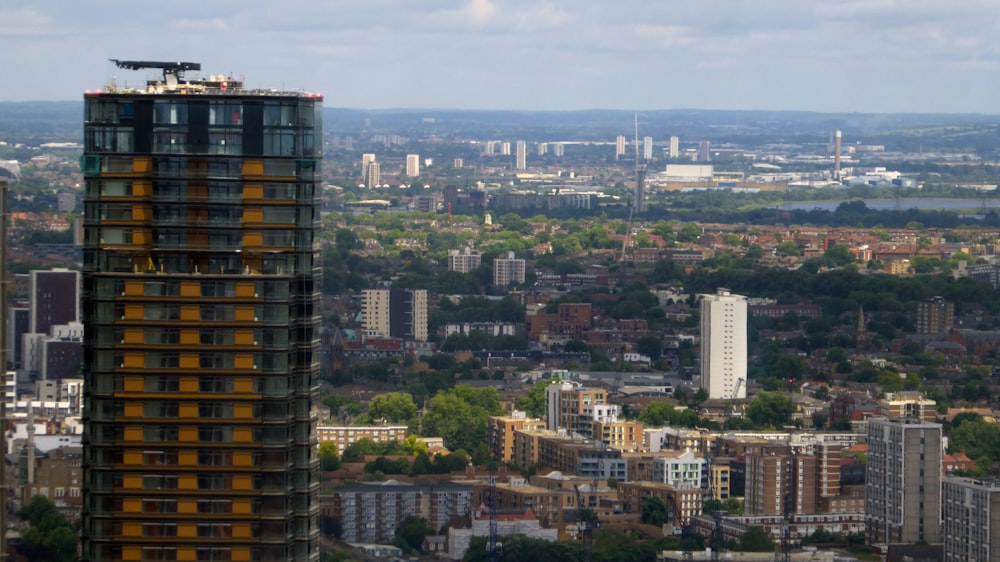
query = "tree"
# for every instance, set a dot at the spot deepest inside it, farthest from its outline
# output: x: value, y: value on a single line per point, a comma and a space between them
x: 650, y: 346
x: 394, y: 407
x: 788, y: 248
x: 328, y: 459
x: 51, y: 537
x: 411, y: 532
x: 770, y: 409
x: 459, y: 415
x: 534, y: 401
x: 755, y: 539
x: 654, y: 511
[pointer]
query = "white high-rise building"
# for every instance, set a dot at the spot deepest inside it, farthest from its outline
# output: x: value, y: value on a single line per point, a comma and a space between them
x: 542, y: 148
x: 365, y: 160
x: 558, y: 149
x: 464, y: 260
x: 507, y: 271
x: 412, y: 165
x: 724, y: 345
x: 971, y: 519
x: 903, y: 481
x: 397, y: 313
x: 675, y: 147
x: 373, y: 177
x: 647, y: 148
x: 521, y: 155
x: 619, y: 146
x: 505, y: 148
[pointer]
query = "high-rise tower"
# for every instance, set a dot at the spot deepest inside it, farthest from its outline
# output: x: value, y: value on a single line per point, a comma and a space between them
x: 200, y: 291
x: 724, y: 345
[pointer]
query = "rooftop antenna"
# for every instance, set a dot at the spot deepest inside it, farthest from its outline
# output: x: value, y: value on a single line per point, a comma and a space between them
x: 173, y: 72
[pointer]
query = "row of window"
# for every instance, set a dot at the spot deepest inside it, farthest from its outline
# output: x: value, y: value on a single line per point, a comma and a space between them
x: 201, y: 191
x: 109, y: 288
x: 192, y: 167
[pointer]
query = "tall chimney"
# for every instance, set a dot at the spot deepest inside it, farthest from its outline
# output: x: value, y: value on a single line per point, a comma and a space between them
x: 836, y: 155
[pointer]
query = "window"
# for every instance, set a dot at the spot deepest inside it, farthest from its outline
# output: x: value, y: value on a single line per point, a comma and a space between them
x: 215, y: 410
x: 162, y: 312
x: 215, y: 506
x: 161, y: 433
x: 159, y: 553
x: 162, y: 384
x: 215, y: 384
x: 218, y: 313
x: 211, y: 457
x: 214, y: 482
x: 215, y: 530
x: 214, y: 554
x: 212, y: 434
x: 159, y: 409
x: 159, y: 529
x: 159, y: 481
x: 158, y: 505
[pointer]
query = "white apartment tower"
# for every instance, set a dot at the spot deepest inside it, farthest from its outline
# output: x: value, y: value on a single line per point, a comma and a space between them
x: 903, y: 481
x: 647, y: 148
x: 521, y: 155
x: 619, y: 146
x: 464, y: 260
x: 558, y: 149
x: 373, y: 176
x: 724, y: 345
x: 397, y: 313
x: 971, y: 520
x: 365, y: 160
x: 507, y: 271
x: 675, y: 147
x: 412, y: 165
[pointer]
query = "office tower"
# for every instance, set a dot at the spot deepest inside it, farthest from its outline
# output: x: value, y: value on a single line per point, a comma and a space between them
x: 780, y: 484
x: 903, y: 481
x: 373, y: 175
x: 558, y: 149
x: 675, y: 147
x: 464, y: 260
x: 200, y: 307
x: 971, y: 520
x: 647, y: 148
x: 412, y: 165
x: 521, y: 155
x: 724, y: 345
x: 705, y: 151
x: 396, y: 313
x: 458, y: 163
x: 505, y: 148
x: 543, y: 148
x: 619, y: 146
x: 366, y: 159
x: 507, y: 271
x: 935, y: 316
x: 54, y: 298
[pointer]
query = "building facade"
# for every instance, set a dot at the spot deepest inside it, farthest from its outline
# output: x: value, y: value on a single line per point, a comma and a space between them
x: 464, y: 260
x: 200, y: 292
x: 724, y: 345
x: 412, y: 165
x: 935, y: 316
x: 971, y: 520
x: 903, y: 481
x: 507, y: 271
x: 397, y: 313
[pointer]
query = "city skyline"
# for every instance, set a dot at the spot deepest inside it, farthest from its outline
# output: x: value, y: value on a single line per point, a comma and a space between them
x: 481, y: 54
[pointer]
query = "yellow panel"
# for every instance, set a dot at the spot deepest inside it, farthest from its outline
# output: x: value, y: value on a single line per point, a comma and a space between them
x: 140, y: 236
x: 243, y: 385
x: 189, y: 384
x: 131, y: 552
x: 142, y: 188
x: 132, y: 505
x: 134, y: 384
x: 253, y: 239
x: 253, y: 167
x: 241, y: 531
x: 243, y: 361
x: 242, y: 435
x: 133, y: 433
x: 253, y: 215
x: 240, y: 554
x: 245, y: 313
x: 142, y: 213
x: 244, y: 337
x: 253, y: 190
x: 187, y: 506
x: 189, y: 361
x: 133, y: 410
x: 190, y: 288
x: 186, y: 531
x: 132, y: 481
x: 190, y: 337
x: 131, y: 529
x: 246, y: 289
x: 186, y: 555
x: 188, y: 410
x: 242, y: 410
x: 133, y: 312
x: 134, y: 335
x: 134, y: 360
x: 242, y: 458
x: 132, y: 457
x: 241, y: 482
x: 187, y: 481
x: 241, y: 507
x: 187, y: 434
x: 253, y: 264
x: 133, y: 288
x: 187, y: 458
x: 142, y: 164
x: 191, y: 312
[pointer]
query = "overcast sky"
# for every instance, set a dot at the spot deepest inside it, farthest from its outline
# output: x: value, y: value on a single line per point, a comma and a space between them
x: 832, y: 55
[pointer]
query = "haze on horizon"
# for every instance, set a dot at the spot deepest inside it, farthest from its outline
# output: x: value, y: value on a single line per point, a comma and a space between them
x: 868, y: 56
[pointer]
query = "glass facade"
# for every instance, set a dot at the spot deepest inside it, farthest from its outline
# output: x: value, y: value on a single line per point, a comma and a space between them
x: 201, y: 280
